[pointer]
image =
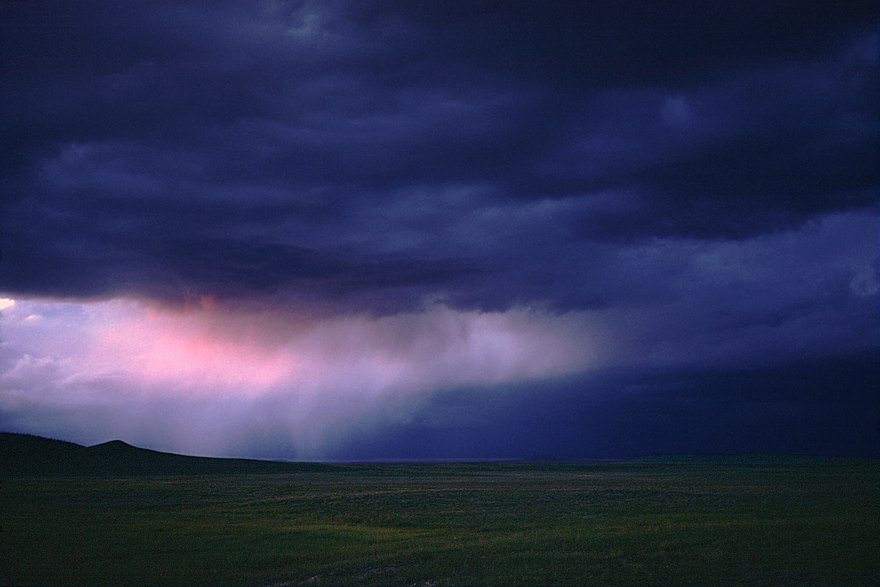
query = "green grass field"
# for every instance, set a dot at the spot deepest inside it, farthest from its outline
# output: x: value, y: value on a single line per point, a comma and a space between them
x: 803, y: 522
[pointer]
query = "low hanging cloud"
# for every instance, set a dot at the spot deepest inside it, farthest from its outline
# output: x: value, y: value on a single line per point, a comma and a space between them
x: 328, y: 374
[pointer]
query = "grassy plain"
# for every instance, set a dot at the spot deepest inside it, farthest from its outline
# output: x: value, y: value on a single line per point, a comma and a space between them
x: 803, y: 522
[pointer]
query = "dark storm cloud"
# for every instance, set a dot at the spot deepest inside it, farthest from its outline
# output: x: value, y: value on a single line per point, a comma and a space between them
x: 785, y: 408
x: 376, y: 155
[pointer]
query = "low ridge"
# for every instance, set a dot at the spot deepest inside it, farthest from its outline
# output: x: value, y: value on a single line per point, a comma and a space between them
x: 25, y: 455
x: 113, y: 444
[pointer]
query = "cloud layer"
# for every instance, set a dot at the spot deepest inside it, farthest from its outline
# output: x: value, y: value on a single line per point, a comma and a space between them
x: 371, y: 157
x: 228, y: 208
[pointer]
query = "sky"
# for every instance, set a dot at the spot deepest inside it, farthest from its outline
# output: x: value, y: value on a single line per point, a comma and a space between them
x: 442, y: 230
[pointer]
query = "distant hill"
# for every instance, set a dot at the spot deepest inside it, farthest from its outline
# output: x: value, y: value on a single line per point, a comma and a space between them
x: 24, y: 455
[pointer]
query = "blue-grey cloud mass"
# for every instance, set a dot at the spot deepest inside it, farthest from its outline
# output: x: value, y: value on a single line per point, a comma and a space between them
x: 671, y: 208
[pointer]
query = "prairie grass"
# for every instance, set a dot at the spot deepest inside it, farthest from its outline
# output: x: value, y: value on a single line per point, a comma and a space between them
x: 808, y: 522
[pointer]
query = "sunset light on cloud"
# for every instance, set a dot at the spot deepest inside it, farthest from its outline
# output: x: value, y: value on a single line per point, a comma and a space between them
x: 331, y: 373
x: 170, y: 350
x: 201, y: 350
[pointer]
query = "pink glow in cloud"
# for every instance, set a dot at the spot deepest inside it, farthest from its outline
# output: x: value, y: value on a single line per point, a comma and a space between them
x: 197, y: 379
x: 180, y: 350
x: 218, y: 352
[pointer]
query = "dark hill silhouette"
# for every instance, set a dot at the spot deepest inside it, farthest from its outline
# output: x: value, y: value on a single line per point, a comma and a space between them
x: 24, y: 455
x: 115, y: 445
